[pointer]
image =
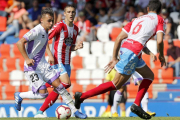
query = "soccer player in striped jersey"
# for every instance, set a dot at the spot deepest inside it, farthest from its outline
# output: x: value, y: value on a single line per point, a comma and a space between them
x: 64, y: 36
x: 37, y: 69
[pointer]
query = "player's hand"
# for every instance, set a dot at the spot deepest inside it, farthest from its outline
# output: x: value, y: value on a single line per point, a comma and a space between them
x: 162, y: 60
x: 51, y: 60
x: 79, y: 45
x: 111, y: 65
x: 30, y: 62
x: 154, y: 58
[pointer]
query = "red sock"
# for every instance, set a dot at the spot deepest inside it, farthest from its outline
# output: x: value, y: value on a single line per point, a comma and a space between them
x: 102, y: 88
x: 142, y: 90
x: 65, y: 85
x: 48, y: 85
x: 49, y: 101
x: 52, y: 97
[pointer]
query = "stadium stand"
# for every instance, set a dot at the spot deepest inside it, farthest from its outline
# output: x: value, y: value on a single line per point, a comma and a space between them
x: 87, y: 65
x: 3, y: 23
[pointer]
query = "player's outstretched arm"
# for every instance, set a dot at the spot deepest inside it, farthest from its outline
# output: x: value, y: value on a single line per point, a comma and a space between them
x: 48, y: 51
x: 160, y: 46
x: 21, y: 46
x: 117, y: 45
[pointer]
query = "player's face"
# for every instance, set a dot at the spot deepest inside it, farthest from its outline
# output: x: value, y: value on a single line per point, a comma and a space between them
x: 47, y: 21
x: 70, y: 14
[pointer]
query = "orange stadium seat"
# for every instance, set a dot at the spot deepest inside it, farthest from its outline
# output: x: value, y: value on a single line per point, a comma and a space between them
x: 22, y: 32
x: 167, y: 75
x: 163, y: 75
x: 4, y: 78
x: 24, y: 88
x: 11, y: 64
x: 3, y: 23
x: 146, y: 59
x: 77, y: 62
x: 177, y: 43
x: 1, y: 87
x: 1, y: 64
x: 21, y: 63
x: 89, y: 87
x: 73, y: 76
x: 16, y: 51
x: 76, y: 88
x: 9, y: 91
x: 132, y: 90
x: 50, y: 41
x: 115, y: 32
x: 5, y: 50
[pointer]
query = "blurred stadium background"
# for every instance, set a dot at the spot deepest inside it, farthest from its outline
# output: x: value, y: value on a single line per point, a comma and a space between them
x: 88, y: 63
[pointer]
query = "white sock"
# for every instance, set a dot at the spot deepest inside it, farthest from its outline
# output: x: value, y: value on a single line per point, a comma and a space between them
x: 66, y: 97
x: 31, y: 95
x: 117, y: 99
x: 144, y: 102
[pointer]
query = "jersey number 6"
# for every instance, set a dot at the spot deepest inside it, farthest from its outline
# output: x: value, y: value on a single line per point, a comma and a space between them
x: 137, y: 28
x: 34, y: 77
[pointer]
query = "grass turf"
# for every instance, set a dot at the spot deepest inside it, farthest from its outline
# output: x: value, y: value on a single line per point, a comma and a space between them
x: 97, y: 118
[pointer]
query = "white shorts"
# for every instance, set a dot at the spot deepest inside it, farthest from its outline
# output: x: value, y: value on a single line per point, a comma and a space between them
x: 38, y: 78
x: 136, y: 78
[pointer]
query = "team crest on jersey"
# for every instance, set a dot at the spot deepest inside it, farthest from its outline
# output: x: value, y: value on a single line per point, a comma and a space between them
x: 68, y: 41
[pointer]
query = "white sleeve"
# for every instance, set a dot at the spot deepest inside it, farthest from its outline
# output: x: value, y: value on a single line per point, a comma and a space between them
x: 31, y: 35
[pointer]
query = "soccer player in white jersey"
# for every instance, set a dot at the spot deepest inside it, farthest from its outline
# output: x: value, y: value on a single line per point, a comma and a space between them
x: 64, y: 36
x: 137, y: 32
x: 37, y: 69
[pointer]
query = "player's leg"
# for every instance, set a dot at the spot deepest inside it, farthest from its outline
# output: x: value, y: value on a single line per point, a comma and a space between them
x: 145, y: 101
x: 117, y: 99
x: 124, y: 71
x: 118, y: 81
x: 52, y: 77
x: 65, y: 72
x: 67, y: 98
x: 148, y: 77
x: 38, y: 89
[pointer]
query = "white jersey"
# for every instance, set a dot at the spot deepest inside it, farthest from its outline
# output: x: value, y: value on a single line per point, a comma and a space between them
x: 37, y: 39
x: 140, y: 30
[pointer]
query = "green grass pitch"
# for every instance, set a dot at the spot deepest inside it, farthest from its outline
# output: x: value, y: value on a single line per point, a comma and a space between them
x: 97, y: 118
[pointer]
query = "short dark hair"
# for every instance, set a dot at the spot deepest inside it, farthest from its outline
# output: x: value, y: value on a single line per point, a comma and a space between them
x: 47, y: 10
x: 69, y: 6
x: 155, y: 5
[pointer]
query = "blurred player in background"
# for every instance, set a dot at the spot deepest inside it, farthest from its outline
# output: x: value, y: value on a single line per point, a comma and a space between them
x: 137, y: 36
x: 110, y: 76
x: 64, y: 36
x: 37, y: 69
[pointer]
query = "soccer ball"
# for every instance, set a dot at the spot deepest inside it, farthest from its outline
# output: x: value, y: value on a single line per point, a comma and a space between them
x: 62, y: 112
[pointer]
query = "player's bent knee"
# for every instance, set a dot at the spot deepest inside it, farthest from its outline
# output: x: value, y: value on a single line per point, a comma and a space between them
x: 44, y: 95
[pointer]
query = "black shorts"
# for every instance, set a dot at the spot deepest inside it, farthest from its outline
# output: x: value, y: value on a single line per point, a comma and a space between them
x: 111, y: 98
